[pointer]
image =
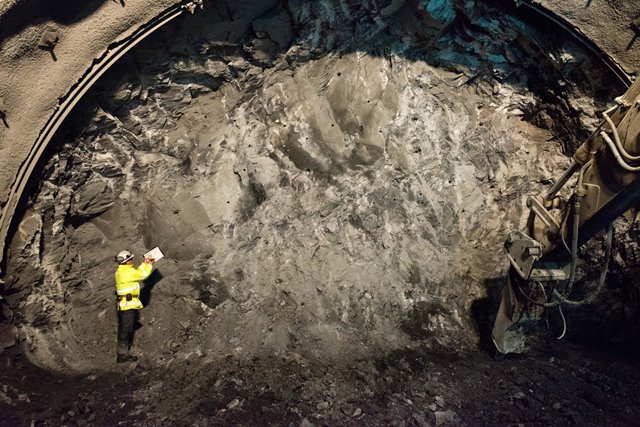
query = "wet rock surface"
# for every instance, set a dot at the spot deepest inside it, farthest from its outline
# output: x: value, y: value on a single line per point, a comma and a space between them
x: 331, y: 186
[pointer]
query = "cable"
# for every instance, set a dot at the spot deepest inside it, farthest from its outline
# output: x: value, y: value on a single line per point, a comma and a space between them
x: 541, y: 288
x: 562, y: 223
x: 544, y: 293
x: 534, y: 302
x: 603, y: 274
x: 623, y: 164
x: 563, y: 299
x: 564, y: 323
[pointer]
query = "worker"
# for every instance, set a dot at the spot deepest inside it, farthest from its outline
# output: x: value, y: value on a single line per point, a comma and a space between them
x: 128, y: 285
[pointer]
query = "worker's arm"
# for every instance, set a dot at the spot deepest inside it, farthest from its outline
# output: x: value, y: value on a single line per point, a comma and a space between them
x: 144, y: 269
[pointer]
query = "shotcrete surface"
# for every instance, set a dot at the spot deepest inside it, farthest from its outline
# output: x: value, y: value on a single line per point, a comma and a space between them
x: 32, y: 79
x: 609, y: 24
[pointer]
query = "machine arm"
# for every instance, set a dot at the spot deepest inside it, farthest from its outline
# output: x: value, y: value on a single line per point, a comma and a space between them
x: 543, y: 258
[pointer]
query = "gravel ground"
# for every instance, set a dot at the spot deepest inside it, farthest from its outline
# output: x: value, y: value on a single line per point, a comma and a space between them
x: 557, y: 384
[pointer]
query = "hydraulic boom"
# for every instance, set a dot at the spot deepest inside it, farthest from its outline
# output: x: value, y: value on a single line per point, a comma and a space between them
x: 543, y: 257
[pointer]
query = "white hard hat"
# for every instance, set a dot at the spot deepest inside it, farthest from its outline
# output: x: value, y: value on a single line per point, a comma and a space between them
x: 124, y: 256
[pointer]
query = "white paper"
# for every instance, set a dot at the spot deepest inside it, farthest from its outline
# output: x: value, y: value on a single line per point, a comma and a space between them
x: 154, y: 253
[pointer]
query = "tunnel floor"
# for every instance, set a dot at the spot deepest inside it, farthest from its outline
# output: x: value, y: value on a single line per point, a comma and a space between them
x: 557, y: 384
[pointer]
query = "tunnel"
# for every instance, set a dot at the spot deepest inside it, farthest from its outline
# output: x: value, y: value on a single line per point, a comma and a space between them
x: 331, y: 184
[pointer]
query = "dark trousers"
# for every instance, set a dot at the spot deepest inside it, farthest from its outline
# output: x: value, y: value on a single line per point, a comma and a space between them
x: 126, y: 323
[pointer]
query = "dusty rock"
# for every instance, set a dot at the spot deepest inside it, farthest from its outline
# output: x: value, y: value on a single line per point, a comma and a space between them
x: 444, y: 418
x: 8, y: 336
x: 322, y: 405
x: 233, y: 404
x: 306, y: 423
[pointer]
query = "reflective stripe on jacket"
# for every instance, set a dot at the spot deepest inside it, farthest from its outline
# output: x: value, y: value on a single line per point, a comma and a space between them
x: 128, y: 283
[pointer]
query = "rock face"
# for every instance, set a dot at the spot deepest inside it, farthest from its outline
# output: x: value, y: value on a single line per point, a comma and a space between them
x: 327, y: 181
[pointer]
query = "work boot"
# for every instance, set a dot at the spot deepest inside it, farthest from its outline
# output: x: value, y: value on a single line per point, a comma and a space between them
x: 126, y: 358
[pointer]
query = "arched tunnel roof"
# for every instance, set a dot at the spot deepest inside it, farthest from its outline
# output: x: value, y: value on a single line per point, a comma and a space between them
x: 51, y: 51
x: 39, y: 83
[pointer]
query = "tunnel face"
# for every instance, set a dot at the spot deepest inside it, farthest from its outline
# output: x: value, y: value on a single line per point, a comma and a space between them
x: 328, y: 184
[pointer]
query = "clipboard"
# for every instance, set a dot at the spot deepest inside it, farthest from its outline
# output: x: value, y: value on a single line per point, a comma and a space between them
x: 154, y: 253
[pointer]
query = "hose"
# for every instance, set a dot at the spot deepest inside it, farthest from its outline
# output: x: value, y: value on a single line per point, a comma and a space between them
x: 575, y: 228
x: 623, y: 164
x: 616, y: 137
x: 610, y: 110
x: 539, y: 304
x: 603, y: 274
x: 544, y: 294
x: 564, y: 323
x: 562, y: 239
x: 562, y: 299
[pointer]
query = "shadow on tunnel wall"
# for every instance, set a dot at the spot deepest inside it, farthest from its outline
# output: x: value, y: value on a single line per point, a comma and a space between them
x: 468, y: 37
x: 26, y: 13
x: 483, y: 311
x: 145, y: 293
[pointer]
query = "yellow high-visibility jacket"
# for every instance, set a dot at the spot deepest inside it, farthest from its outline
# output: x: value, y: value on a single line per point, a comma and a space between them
x: 128, y: 283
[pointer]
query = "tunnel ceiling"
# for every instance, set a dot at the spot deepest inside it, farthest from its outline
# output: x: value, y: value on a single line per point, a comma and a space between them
x: 35, y: 99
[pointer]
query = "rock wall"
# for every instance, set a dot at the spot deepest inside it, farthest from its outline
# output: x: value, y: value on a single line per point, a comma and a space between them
x: 328, y: 181
x: 48, y: 46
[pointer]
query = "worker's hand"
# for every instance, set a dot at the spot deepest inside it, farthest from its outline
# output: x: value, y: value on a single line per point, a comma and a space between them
x: 149, y: 260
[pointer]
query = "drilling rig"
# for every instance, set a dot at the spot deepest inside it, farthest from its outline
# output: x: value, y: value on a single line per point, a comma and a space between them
x: 600, y: 185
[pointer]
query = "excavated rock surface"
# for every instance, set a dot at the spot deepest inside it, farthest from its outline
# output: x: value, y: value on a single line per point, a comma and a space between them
x: 331, y: 186
x: 317, y: 203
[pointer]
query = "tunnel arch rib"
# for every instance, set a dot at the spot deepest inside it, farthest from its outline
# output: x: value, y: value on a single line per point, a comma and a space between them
x: 100, y: 65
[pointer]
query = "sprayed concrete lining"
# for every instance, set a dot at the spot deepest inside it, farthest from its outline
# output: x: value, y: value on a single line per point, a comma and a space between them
x: 36, y: 83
